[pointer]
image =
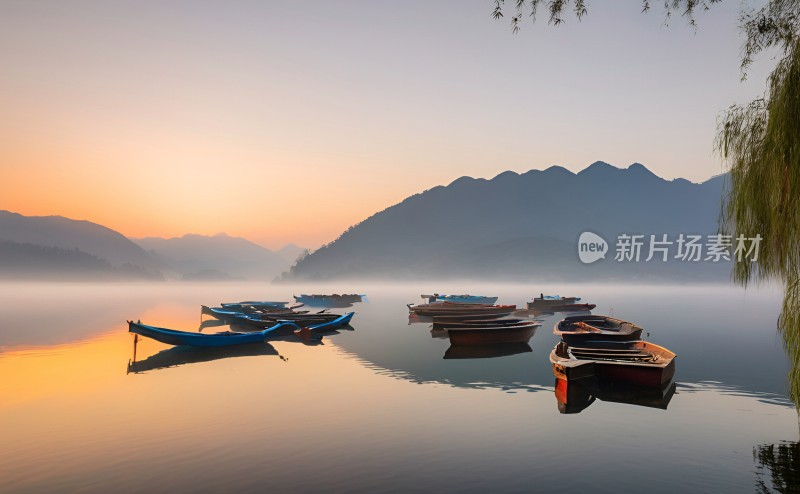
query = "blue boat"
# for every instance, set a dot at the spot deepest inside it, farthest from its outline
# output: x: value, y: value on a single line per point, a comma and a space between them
x: 460, y: 299
x: 337, y: 323
x: 174, y: 337
x: 218, y: 313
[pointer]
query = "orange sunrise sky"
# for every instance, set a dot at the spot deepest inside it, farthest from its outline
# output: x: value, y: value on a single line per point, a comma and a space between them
x: 288, y: 122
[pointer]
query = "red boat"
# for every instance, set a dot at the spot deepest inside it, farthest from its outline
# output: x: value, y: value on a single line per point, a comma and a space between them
x: 637, y: 362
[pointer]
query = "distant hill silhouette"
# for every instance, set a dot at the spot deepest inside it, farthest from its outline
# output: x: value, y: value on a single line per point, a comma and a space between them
x: 35, y: 262
x: 518, y: 226
x: 216, y: 258
x: 71, y: 243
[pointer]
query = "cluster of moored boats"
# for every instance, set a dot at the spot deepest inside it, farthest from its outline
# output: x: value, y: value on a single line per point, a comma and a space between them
x: 254, y: 322
x: 476, y: 323
x: 478, y: 320
x: 591, y: 346
x: 593, y: 350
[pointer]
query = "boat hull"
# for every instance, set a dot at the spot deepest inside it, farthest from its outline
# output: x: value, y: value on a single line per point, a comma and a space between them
x: 636, y: 374
x: 337, y: 323
x: 621, y: 364
x: 461, y: 310
x: 547, y: 303
x: 491, y: 335
x: 461, y: 299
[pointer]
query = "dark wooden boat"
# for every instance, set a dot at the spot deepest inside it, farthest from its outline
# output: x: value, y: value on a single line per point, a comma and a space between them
x: 464, y: 317
x: 576, y: 330
x: 545, y: 302
x: 521, y: 332
x: 455, y: 309
x: 226, y: 314
x: 343, y: 298
x: 472, y: 323
x: 486, y: 351
x: 638, y: 362
x: 464, y: 299
x: 572, y: 307
x: 175, y: 337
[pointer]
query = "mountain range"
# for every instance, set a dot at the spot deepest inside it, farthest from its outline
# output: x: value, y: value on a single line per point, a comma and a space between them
x: 219, y: 257
x: 526, y: 226
x: 513, y: 226
x: 58, y: 248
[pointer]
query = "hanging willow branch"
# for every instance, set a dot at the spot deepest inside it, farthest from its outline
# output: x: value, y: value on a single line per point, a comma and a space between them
x: 557, y: 9
x: 761, y: 144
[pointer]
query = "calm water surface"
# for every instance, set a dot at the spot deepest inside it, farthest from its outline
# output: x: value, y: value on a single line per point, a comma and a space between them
x: 378, y: 407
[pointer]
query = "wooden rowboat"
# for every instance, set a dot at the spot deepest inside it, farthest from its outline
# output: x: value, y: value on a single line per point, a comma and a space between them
x: 452, y: 309
x: 464, y: 299
x: 472, y: 323
x: 545, y: 302
x: 490, y: 335
x: 226, y: 314
x: 638, y: 362
x: 576, y: 330
x: 344, y: 298
x: 466, y: 317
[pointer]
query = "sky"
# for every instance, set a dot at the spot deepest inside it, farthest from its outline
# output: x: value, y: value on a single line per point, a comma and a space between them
x: 290, y: 121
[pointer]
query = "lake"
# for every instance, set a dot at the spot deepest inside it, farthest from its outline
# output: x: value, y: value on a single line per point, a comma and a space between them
x: 378, y: 407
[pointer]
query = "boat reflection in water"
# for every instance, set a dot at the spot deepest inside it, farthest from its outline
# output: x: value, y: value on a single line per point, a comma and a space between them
x: 182, y: 355
x: 574, y: 396
x: 486, y: 351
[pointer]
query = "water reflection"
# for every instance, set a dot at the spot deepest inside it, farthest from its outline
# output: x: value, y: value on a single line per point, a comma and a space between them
x: 777, y: 467
x: 486, y: 351
x: 182, y: 355
x: 574, y: 396
x: 79, y: 423
x: 214, y: 323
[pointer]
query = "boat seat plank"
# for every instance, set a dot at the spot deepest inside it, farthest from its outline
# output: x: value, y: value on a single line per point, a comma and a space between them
x: 614, y: 350
x: 613, y: 356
